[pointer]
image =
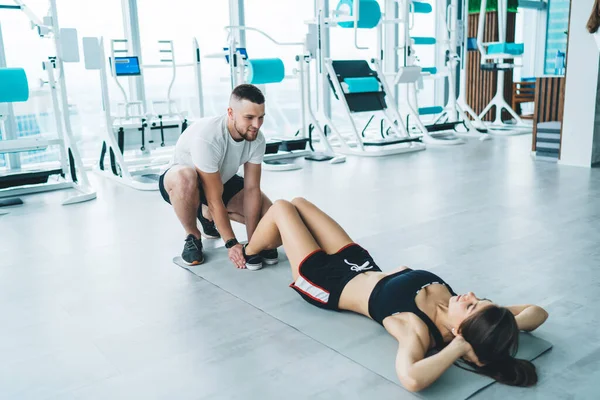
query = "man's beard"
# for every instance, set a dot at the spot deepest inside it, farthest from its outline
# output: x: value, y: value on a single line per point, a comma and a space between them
x: 244, y: 135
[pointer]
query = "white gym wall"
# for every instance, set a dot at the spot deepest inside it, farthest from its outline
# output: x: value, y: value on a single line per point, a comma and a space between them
x: 581, y: 122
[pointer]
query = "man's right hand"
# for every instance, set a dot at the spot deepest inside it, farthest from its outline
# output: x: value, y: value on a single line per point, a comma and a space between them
x: 236, y: 255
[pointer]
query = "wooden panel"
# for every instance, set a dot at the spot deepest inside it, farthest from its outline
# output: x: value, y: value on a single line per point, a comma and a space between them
x: 481, y: 85
x: 549, y: 102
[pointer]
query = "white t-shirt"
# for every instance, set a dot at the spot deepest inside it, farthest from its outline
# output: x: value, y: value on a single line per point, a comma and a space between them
x: 597, y: 38
x: 208, y: 145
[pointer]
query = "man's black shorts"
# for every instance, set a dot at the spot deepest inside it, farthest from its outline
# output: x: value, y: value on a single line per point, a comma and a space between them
x: 230, y: 189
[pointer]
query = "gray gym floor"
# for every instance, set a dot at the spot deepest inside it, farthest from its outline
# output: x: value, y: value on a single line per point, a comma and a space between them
x: 92, y: 307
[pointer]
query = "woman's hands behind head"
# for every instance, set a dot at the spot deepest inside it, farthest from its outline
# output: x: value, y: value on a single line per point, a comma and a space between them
x: 465, y: 350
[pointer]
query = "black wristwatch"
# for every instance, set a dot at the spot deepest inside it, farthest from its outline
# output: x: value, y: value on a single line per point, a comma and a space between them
x: 230, y: 243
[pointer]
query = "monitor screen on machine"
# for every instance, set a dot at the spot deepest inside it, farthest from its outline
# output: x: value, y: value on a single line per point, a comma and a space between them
x: 127, y: 66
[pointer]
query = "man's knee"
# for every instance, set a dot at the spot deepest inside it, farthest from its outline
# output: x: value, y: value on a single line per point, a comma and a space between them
x: 184, y: 181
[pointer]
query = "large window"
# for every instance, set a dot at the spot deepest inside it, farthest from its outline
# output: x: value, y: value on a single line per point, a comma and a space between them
x: 543, y: 30
x: 91, y: 19
x: 182, y: 21
x: 17, y: 36
x: 284, y: 21
x: 556, y: 36
x: 25, y: 49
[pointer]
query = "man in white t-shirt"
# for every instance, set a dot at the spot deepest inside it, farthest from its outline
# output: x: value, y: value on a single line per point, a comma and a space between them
x: 202, y: 181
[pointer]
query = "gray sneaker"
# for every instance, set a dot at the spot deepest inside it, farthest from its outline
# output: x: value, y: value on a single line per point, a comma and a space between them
x: 192, y: 251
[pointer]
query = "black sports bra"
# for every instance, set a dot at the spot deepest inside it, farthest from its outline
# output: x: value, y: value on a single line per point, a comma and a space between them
x: 396, y: 293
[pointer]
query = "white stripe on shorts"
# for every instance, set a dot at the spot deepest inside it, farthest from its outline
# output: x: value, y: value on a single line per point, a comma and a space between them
x: 311, y: 290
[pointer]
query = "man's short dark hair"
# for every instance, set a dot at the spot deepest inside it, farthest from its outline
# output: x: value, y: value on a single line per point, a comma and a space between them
x: 248, y: 92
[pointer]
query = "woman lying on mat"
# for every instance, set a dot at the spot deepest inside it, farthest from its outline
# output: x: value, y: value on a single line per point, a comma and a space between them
x: 416, y: 307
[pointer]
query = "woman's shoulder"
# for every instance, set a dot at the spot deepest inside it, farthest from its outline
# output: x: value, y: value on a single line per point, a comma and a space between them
x: 407, y: 324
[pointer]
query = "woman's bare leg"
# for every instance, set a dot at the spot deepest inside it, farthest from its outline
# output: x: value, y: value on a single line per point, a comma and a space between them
x: 282, y: 224
x: 330, y: 236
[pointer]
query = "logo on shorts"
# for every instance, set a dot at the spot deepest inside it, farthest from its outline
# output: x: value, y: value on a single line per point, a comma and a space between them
x: 359, y: 268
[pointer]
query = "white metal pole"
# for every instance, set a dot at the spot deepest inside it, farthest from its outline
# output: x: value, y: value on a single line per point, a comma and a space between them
x: 502, y: 20
x: 71, y: 141
x: 104, y: 87
x: 131, y: 26
x: 451, y: 25
x: 323, y: 52
x: 439, y: 85
x: 462, y: 96
x: 481, y: 28
x: 407, y: 48
x: 174, y: 70
x: 112, y: 143
x: 30, y: 14
x: 389, y: 54
x: 198, y: 73
x: 113, y: 57
x: 58, y: 116
x: 301, y: 79
x: 237, y: 16
x: 316, y: 123
x: 320, y: 63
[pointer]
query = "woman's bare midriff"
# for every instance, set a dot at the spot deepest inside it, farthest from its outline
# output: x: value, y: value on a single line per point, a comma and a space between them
x: 355, y: 296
